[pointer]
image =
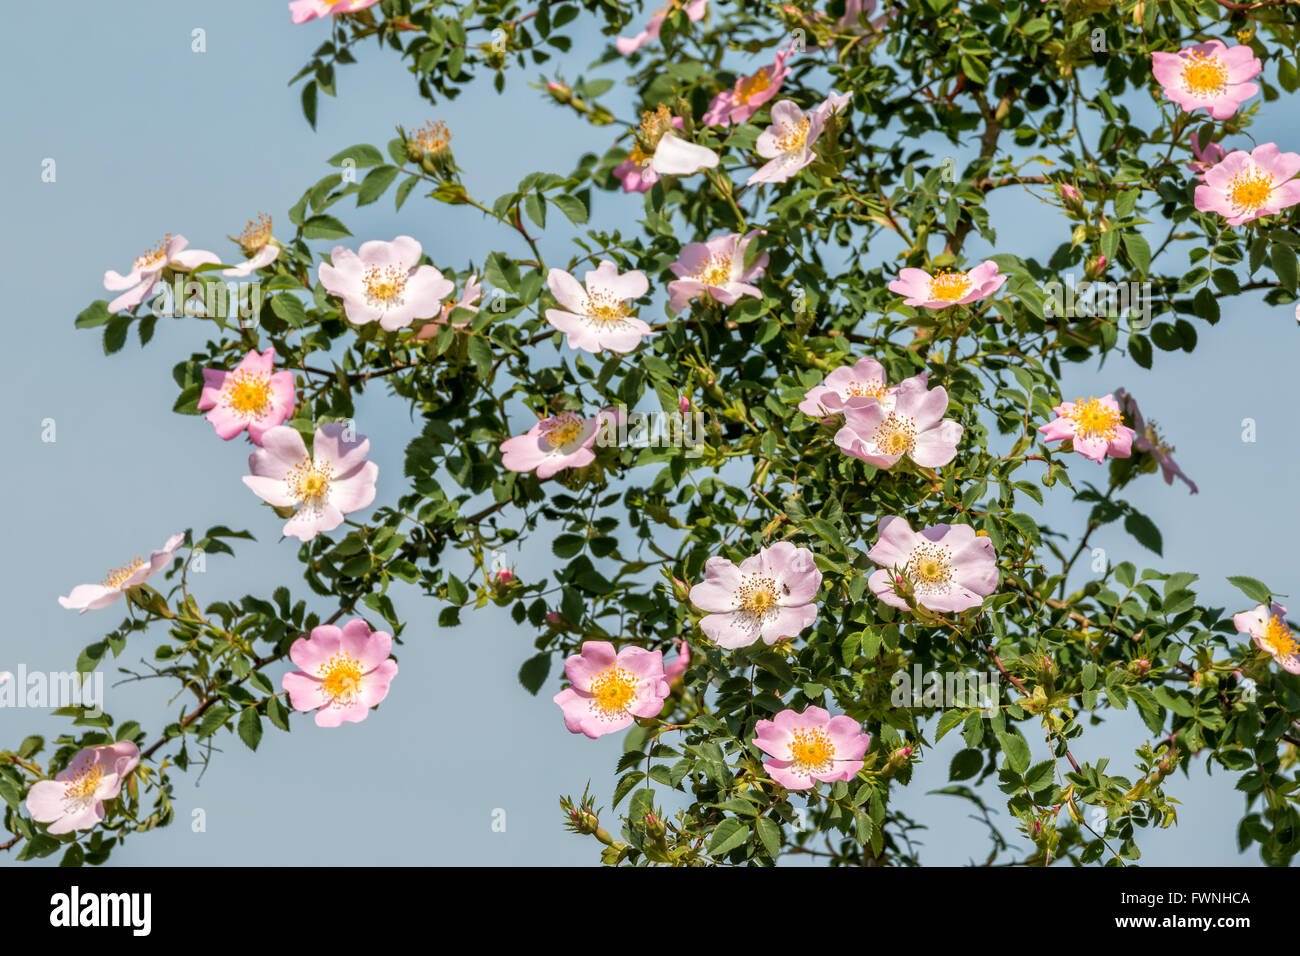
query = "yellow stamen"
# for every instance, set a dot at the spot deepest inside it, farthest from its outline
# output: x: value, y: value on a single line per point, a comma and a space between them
x: 811, y: 750
x: 156, y: 256
x: 613, y: 690
x: 117, y: 576
x: 80, y: 789
x: 1095, y: 419
x: 309, y: 481
x: 1250, y: 189
x: 562, y: 429
x: 433, y: 137
x: 255, y: 235
x: 948, y: 286
x: 247, y: 393
x: 341, y: 678
x: 714, y: 271
x: 604, y: 309
x: 930, y: 565
x: 384, y: 285
x: 896, y: 435
x: 1204, y: 74
x: 757, y: 596
x: 1278, y: 639
x: 792, y: 139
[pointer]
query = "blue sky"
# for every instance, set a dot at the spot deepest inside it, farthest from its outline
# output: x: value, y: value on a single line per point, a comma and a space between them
x: 150, y: 137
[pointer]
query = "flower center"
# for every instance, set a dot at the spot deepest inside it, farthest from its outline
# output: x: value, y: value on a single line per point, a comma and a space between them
x: 792, y: 138
x: 872, y: 388
x: 1094, y: 419
x: 248, y: 393
x: 751, y: 86
x: 341, y: 678
x: 613, y: 690
x: 604, y: 309
x: 255, y: 235
x: 433, y: 137
x: 80, y: 790
x: 562, y: 429
x: 1278, y: 639
x: 653, y: 127
x: 1205, y: 74
x: 1157, y: 440
x: 896, y: 435
x: 156, y: 256
x: 757, y: 595
x: 117, y: 576
x: 384, y: 285
x: 930, y: 566
x: 714, y: 271
x: 309, y: 481
x: 811, y: 750
x: 949, y: 286
x: 1250, y: 189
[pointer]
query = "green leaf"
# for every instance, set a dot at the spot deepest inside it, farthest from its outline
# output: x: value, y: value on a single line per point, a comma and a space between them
x: 534, y: 672
x: 376, y: 182
x: 727, y: 835
x: 250, y: 727
x: 1256, y: 590
x: 321, y: 226
x: 93, y: 315
x: 362, y: 155
x: 1142, y: 528
x: 1284, y: 264
x: 1016, y: 750
x: 572, y: 207
x: 770, y: 834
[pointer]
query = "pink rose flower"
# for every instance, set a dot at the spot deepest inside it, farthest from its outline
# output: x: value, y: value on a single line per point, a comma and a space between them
x: 1095, y: 425
x: 609, y: 691
x: 861, y: 383
x: 344, y: 672
x: 786, y: 144
x: 914, y: 427
x: 770, y: 596
x: 1267, y: 626
x: 469, y: 300
x: 254, y: 396
x: 600, y: 316
x: 810, y: 747
x: 1147, y: 438
x: 947, y: 568
x: 303, y: 10
x: 90, y: 597
x: 1244, y: 186
x: 695, y: 10
x: 383, y: 282
x: 741, y: 102
x: 169, y: 255
x: 943, y: 289
x: 256, y: 242
x: 1204, y: 158
x: 321, y: 489
x: 674, y: 671
x: 74, y: 799
x: 716, y: 268
x: 1208, y: 75
x: 553, y: 444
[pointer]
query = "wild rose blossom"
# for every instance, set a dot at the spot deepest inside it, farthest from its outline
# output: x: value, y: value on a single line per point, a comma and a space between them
x: 810, y: 747
x: 90, y: 597
x: 254, y: 396
x: 1204, y: 157
x: 695, y: 10
x: 658, y: 151
x: 1096, y: 427
x: 1245, y: 186
x: 1147, y: 438
x: 469, y: 300
x: 384, y: 282
x: 787, y: 143
x: 344, y: 672
x: 680, y: 664
x: 74, y: 799
x: 914, y: 426
x: 303, y: 10
x: 946, y: 288
x: 170, y: 255
x: 855, y: 11
x: 715, y: 268
x: 322, y: 488
x: 258, y: 247
x: 600, y: 316
x: 610, y: 690
x: 1267, y: 626
x: 1210, y: 76
x: 553, y: 444
x: 946, y: 568
x: 742, y: 101
x: 770, y: 596
x: 861, y: 383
